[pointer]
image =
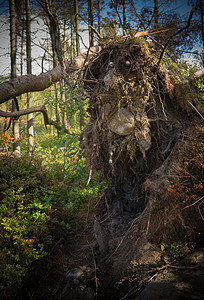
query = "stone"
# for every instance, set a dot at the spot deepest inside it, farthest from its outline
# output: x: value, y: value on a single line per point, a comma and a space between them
x: 159, y: 291
x: 117, y: 208
x: 75, y: 274
x: 122, y: 122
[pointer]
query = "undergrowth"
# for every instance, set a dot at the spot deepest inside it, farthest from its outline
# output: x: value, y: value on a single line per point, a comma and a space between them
x: 37, y: 198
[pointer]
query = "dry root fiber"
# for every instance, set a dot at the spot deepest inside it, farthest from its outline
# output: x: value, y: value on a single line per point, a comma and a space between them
x: 175, y: 209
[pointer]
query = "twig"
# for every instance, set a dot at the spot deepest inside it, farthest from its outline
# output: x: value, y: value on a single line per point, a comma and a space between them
x: 193, y: 203
x: 94, y: 29
x: 137, y: 15
x: 95, y: 272
x: 200, y: 210
x: 90, y: 173
x: 195, y: 109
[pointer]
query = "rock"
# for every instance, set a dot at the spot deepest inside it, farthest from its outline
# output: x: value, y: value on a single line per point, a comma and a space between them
x: 161, y: 290
x: 122, y: 122
x: 117, y: 208
x: 196, y: 257
x: 101, y: 238
x: 145, y: 253
x: 75, y: 275
x: 116, y: 221
x: 183, y: 282
x: 80, y: 292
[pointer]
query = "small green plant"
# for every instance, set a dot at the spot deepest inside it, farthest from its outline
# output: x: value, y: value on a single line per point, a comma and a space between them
x: 176, y: 249
x: 163, y: 253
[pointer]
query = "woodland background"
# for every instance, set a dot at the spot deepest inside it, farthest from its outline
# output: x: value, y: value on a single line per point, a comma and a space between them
x: 45, y: 188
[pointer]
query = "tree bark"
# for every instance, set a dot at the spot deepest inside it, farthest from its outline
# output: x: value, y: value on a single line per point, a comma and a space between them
x: 156, y: 13
x: 76, y: 8
x: 99, y: 16
x: 16, y: 144
x: 30, y: 129
x: 90, y: 16
x: 32, y: 83
x: 124, y: 17
x: 202, y: 21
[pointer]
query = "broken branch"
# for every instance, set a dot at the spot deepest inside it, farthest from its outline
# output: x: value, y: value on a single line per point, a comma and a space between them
x: 32, y: 83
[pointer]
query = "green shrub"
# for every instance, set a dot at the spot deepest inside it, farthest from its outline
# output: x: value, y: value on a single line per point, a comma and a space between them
x: 23, y: 223
x: 37, y: 199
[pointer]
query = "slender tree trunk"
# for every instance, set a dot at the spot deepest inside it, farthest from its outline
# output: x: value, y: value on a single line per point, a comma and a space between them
x: 202, y: 19
x: 76, y: 8
x: 90, y: 16
x: 16, y: 145
x: 99, y: 16
x: 124, y: 16
x: 62, y: 82
x: 13, y: 38
x: 30, y: 129
x: 22, y: 52
x: 57, y: 109
x: 156, y: 13
x: 72, y: 39
x: 55, y: 40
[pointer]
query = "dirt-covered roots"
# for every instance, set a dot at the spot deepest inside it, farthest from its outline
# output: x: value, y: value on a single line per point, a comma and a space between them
x: 133, y: 123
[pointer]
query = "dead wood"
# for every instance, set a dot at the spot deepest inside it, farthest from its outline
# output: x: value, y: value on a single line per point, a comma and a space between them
x: 32, y: 83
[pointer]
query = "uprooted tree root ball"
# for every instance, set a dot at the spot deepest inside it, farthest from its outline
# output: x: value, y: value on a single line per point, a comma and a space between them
x: 137, y: 116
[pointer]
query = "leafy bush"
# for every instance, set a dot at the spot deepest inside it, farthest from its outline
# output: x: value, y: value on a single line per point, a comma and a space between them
x: 23, y: 230
x: 37, y: 199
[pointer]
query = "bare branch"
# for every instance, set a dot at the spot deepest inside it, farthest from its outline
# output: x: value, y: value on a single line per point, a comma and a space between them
x: 176, y: 33
x: 17, y: 114
x: 30, y: 110
x: 94, y: 29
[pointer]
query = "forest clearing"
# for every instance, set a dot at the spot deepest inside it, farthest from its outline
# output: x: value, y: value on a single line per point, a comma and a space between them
x: 101, y: 152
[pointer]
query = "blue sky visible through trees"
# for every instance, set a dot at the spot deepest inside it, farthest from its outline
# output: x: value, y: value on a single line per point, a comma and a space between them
x: 39, y: 31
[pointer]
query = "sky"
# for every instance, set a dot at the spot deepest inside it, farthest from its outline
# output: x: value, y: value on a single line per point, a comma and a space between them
x: 181, y: 6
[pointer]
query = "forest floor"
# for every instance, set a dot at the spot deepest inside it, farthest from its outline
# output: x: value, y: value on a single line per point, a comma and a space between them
x: 130, y: 268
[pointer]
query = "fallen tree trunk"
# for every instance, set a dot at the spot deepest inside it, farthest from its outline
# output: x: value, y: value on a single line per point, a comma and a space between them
x: 32, y: 83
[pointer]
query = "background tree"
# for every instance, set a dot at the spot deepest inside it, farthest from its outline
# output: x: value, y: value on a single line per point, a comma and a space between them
x: 90, y: 21
x: 76, y: 8
x: 30, y: 128
x: 13, y: 38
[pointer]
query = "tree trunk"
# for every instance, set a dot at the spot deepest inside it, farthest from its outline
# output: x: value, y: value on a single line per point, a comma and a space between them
x: 62, y: 82
x: 16, y: 144
x: 76, y: 7
x: 99, y: 16
x: 124, y: 17
x: 202, y: 21
x: 72, y: 39
x: 90, y: 16
x: 30, y: 129
x: 156, y: 13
